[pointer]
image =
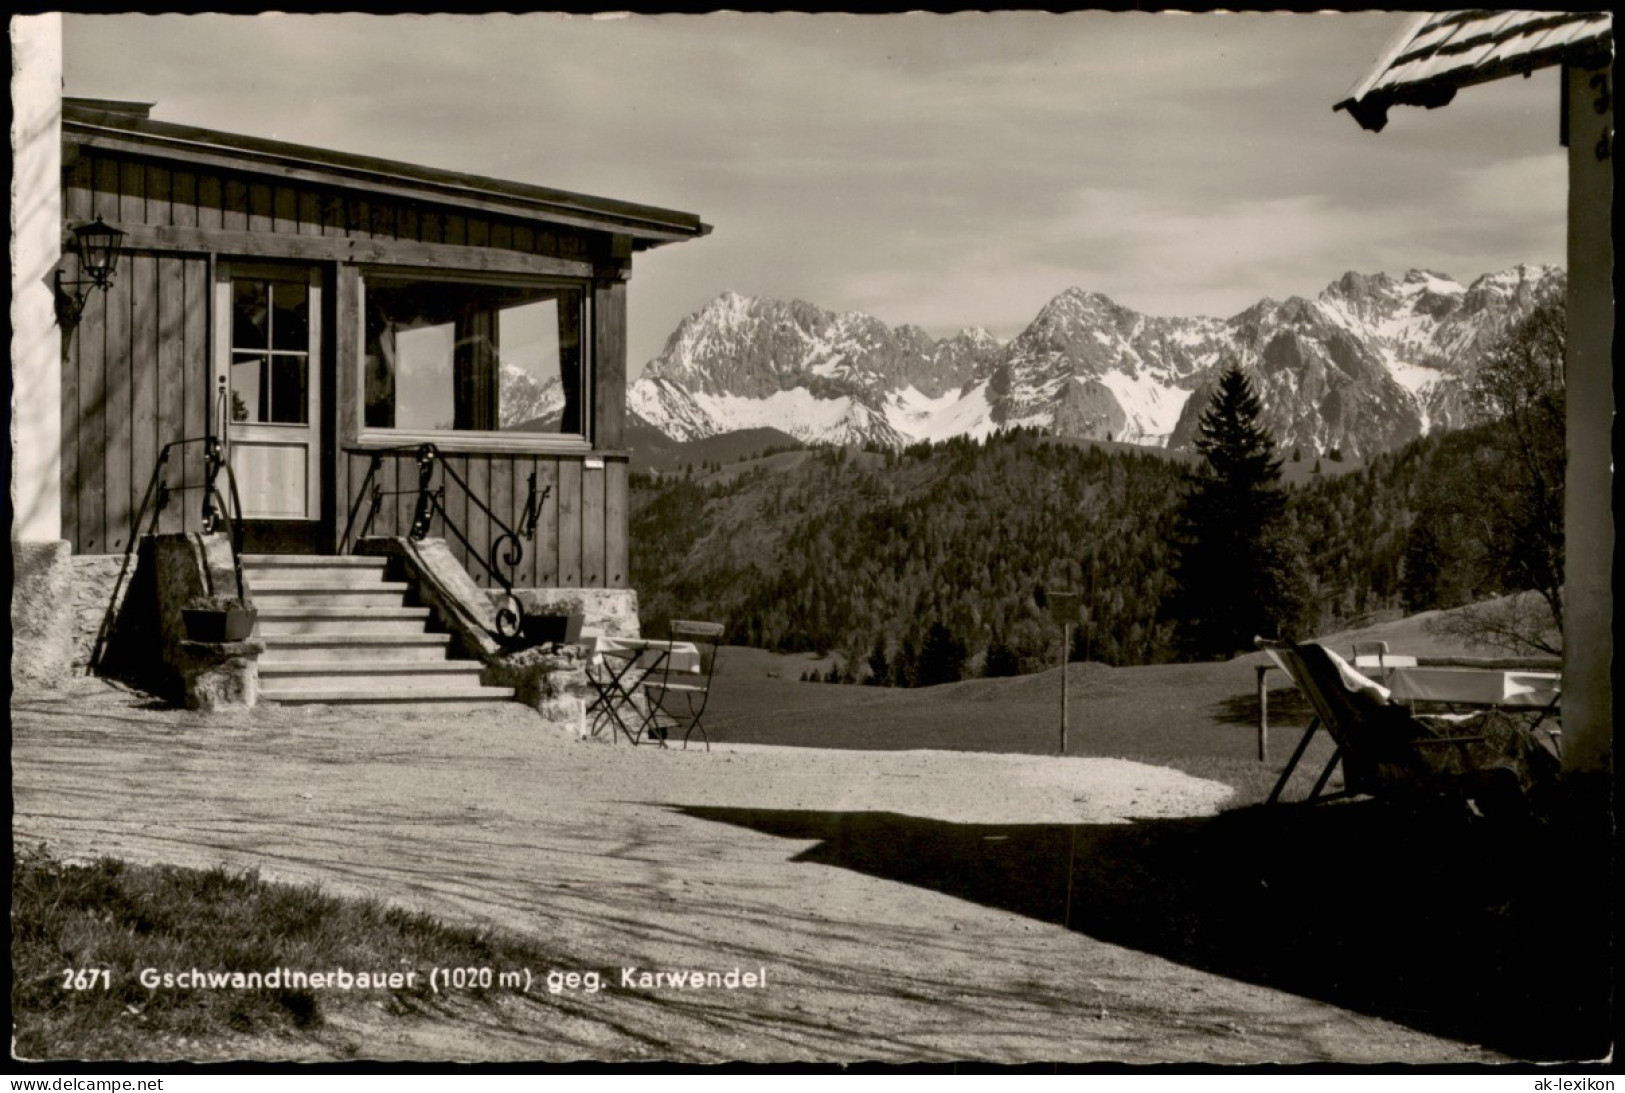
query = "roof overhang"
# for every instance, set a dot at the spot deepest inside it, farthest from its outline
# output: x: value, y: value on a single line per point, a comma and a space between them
x: 107, y: 126
x: 1440, y: 52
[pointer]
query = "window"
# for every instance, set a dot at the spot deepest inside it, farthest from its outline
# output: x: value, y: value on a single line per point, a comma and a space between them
x: 270, y: 352
x: 466, y: 355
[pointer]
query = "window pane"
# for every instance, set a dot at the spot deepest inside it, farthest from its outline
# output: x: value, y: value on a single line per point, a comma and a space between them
x: 473, y: 356
x: 532, y: 394
x: 289, y: 380
x: 423, y: 366
x: 249, y: 375
x: 290, y: 323
x: 251, y: 311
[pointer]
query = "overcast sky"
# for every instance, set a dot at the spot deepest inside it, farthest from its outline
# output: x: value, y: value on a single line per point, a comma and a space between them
x: 947, y: 171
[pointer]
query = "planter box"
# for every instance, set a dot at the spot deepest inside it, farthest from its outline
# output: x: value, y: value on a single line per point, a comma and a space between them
x: 542, y: 629
x: 219, y: 625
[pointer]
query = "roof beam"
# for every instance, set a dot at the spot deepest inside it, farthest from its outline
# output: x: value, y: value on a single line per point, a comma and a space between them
x: 465, y: 195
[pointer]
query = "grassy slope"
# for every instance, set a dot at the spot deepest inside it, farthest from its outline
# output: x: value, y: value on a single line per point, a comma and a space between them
x: 1199, y: 718
x: 654, y: 451
x: 117, y: 918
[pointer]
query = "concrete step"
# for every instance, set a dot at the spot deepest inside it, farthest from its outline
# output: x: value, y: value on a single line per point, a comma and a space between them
x: 417, y: 648
x: 378, y: 675
x: 338, y: 569
x: 336, y: 632
x: 342, y: 620
x: 302, y: 593
x: 448, y: 699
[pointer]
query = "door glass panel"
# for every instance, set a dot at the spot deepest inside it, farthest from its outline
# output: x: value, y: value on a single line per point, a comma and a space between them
x: 248, y: 378
x: 290, y: 401
x: 290, y: 324
x: 251, y: 308
x: 270, y: 388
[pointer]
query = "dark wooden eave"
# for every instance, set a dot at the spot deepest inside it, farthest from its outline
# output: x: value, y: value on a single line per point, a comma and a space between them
x: 115, y: 128
x: 1442, y: 52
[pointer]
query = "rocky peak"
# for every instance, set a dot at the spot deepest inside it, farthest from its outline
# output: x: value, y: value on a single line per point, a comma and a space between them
x: 1360, y: 286
x: 1518, y: 286
x: 1372, y: 361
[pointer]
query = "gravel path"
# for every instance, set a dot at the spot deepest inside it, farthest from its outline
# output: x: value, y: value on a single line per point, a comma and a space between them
x: 805, y: 863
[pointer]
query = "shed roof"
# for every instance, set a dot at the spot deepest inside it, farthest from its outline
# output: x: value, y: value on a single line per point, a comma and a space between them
x: 126, y: 127
x: 1442, y: 51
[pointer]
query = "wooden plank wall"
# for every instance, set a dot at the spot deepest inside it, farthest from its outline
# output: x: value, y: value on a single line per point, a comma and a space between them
x: 136, y: 373
x: 134, y: 379
x: 580, y: 539
x: 124, y: 190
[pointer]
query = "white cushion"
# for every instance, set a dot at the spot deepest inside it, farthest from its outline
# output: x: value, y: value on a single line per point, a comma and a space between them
x: 1356, y: 682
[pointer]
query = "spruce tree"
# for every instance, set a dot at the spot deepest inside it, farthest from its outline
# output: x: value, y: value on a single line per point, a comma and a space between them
x: 942, y: 658
x: 880, y: 671
x: 1236, y: 572
x: 1001, y: 660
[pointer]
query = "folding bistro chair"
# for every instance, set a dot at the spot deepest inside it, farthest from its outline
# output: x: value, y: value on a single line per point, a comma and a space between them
x: 679, y: 688
x: 1373, y: 657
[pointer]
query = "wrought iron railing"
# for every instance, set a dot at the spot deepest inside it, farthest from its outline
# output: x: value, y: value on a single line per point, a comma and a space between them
x: 156, y: 498
x: 506, y: 551
x: 215, y: 512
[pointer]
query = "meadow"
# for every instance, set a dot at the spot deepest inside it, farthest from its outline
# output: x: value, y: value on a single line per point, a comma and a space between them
x: 1201, y: 718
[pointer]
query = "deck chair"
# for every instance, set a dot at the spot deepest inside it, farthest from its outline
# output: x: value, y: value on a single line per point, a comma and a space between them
x: 677, y: 696
x: 1385, y: 750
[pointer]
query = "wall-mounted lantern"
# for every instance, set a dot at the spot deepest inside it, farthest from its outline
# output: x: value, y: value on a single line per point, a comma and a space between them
x: 98, y: 245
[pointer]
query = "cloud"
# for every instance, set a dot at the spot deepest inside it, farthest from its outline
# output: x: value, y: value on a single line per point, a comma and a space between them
x: 946, y: 170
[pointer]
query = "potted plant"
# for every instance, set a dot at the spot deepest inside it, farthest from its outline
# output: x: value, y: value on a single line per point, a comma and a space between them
x: 219, y: 618
x: 540, y: 629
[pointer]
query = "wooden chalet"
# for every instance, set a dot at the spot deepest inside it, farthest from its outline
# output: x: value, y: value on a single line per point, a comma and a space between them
x: 325, y: 314
x: 400, y: 389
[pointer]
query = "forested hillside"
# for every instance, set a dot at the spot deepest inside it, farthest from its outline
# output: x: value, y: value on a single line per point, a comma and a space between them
x: 881, y: 556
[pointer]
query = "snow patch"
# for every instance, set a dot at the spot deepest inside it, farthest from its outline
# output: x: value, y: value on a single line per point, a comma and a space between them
x: 921, y: 417
x: 1152, y: 409
x: 796, y: 411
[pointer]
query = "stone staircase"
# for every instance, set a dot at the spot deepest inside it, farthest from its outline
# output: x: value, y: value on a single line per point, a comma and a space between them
x: 336, y: 631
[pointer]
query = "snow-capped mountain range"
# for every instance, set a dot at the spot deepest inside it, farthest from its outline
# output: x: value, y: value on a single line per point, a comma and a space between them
x: 1371, y: 362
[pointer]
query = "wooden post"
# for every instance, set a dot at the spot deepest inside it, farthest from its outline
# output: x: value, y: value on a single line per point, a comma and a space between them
x: 1588, y: 523
x: 1263, y: 716
x: 1066, y: 649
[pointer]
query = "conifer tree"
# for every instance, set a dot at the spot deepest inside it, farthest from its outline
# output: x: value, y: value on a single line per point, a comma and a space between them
x: 880, y: 672
x: 1236, y: 572
x: 942, y: 658
x: 1001, y: 660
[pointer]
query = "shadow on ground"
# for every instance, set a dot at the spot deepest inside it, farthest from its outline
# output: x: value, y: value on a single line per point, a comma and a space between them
x: 1289, y: 712
x: 1493, y: 936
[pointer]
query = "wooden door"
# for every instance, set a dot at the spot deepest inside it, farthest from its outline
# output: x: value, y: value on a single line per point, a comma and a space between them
x: 268, y: 362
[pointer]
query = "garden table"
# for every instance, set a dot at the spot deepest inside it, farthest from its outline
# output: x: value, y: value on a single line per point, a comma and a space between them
x: 615, y: 667
x: 1480, y: 687
x: 1512, y: 689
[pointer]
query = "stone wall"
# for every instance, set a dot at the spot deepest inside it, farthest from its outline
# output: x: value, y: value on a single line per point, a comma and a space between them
x: 125, y: 616
x: 115, y: 627
x: 200, y: 675
x: 42, y: 630
x: 612, y: 612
